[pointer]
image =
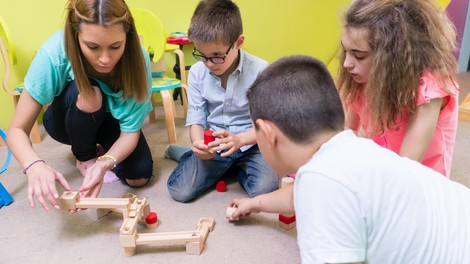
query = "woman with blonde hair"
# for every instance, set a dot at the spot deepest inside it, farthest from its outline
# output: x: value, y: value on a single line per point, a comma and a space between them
x: 96, y: 78
x: 398, y: 78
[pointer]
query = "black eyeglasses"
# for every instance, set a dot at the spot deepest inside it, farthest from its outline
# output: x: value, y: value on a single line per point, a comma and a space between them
x: 215, y: 59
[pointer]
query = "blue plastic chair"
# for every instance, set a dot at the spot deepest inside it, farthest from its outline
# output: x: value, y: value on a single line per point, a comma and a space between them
x: 5, y: 197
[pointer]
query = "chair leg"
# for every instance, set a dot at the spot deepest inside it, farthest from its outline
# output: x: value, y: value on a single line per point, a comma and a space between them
x: 168, y: 107
x: 152, y: 117
x: 184, y: 97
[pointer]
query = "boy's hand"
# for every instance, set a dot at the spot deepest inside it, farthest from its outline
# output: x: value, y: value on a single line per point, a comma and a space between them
x: 202, y: 151
x: 225, y: 141
x: 245, y: 206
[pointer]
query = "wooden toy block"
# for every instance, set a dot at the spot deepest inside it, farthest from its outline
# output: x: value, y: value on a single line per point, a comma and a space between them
x: 221, y: 186
x: 286, y: 221
x: 229, y: 213
x: 286, y: 181
x: 111, y: 203
x: 72, y: 200
x: 151, y: 221
x: 208, y: 137
x: 206, y: 223
x: 141, y: 207
x: 68, y: 200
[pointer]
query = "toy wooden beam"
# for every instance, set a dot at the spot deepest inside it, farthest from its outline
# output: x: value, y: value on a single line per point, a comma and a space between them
x: 72, y: 201
x: 194, y: 240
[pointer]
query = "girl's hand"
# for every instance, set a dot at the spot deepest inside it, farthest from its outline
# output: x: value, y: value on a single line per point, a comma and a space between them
x: 93, y: 180
x: 226, y: 141
x: 42, y: 185
x: 202, y: 151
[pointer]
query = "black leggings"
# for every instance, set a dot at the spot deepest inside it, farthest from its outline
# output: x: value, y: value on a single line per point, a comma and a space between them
x: 69, y: 125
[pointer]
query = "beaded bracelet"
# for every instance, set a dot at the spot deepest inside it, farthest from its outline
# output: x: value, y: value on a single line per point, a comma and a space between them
x: 104, y: 157
x: 32, y: 163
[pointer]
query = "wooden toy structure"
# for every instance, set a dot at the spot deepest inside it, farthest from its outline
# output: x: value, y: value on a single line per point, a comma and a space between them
x: 230, y: 211
x: 134, y: 210
x: 286, y: 221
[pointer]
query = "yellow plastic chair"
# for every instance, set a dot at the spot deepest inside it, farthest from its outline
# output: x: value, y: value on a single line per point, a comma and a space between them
x: 153, y: 38
x: 9, y: 58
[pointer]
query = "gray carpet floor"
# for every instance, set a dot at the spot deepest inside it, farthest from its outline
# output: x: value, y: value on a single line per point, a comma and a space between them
x: 34, y: 236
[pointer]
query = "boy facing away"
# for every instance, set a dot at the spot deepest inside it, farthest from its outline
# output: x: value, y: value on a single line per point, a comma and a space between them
x: 217, y: 101
x: 354, y: 200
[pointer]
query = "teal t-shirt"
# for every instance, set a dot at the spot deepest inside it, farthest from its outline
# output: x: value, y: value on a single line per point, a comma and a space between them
x: 51, y: 70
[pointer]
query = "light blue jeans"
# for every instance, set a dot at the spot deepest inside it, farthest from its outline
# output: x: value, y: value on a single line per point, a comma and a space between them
x: 193, y: 176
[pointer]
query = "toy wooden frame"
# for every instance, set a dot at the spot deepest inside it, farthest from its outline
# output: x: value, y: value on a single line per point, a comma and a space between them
x: 134, y: 210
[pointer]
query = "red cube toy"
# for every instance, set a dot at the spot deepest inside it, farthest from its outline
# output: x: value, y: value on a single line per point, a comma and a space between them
x: 208, y: 137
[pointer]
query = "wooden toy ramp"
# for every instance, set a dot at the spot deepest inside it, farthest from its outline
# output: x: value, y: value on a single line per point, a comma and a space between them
x: 134, y: 210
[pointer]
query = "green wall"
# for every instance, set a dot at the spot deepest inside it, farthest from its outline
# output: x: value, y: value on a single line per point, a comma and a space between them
x: 272, y: 29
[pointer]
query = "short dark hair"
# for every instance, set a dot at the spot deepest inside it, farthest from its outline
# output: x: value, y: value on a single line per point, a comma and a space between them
x: 297, y: 94
x: 216, y: 21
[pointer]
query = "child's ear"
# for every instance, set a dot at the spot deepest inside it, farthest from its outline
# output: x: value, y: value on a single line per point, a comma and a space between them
x: 239, y: 42
x: 267, y: 130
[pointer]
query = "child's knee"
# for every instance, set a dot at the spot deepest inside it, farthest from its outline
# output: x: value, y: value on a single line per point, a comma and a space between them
x: 261, y: 187
x: 181, y: 195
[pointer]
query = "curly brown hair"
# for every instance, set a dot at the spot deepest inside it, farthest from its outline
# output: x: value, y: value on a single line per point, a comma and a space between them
x: 407, y: 38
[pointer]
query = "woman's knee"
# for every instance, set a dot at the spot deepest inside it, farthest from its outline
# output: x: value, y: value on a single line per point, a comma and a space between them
x: 137, y: 182
x: 92, y: 102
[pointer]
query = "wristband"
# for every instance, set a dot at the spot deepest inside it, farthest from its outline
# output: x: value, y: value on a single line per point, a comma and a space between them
x: 32, y: 163
x: 104, y: 157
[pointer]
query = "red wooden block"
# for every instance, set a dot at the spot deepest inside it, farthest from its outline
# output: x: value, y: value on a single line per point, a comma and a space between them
x: 208, y: 137
x: 221, y: 186
x: 151, y: 218
x: 287, y: 219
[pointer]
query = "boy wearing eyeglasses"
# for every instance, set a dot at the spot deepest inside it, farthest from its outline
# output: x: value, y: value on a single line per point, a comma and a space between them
x: 217, y: 101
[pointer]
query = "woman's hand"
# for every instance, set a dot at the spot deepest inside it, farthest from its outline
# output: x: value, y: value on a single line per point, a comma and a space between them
x: 93, y: 180
x: 42, y: 185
